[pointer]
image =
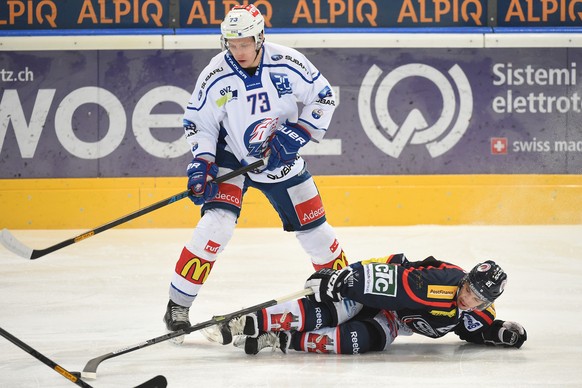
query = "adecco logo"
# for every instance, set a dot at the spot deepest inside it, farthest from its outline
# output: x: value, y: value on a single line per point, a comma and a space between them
x: 439, y: 137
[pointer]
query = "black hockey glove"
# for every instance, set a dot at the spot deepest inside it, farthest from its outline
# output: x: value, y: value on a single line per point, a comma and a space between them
x: 326, y: 284
x: 506, y: 333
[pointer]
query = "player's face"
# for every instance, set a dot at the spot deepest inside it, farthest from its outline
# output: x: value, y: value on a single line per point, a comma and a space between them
x: 467, y: 300
x: 243, y: 50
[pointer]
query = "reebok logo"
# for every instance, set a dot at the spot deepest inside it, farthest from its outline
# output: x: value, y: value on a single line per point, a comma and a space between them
x: 318, y: 318
x: 355, y: 344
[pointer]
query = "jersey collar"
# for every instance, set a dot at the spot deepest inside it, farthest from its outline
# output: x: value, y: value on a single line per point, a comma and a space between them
x: 251, y: 82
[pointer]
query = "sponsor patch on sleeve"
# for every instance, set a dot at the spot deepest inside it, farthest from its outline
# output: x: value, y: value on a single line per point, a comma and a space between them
x: 380, y: 279
x: 471, y: 324
x: 441, y: 292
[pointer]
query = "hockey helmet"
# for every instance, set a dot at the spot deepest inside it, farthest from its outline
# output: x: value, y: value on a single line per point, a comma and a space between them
x: 487, y: 280
x: 241, y: 22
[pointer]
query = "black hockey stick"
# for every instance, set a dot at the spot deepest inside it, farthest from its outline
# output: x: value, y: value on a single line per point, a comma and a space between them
x: 12, y: 244
x: 90, y: 370
x: 74, y: 377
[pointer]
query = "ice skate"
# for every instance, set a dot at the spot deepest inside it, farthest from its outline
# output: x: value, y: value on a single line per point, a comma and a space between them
x: 176, y: 318
x: 223, y: 333
x: 278, y: 340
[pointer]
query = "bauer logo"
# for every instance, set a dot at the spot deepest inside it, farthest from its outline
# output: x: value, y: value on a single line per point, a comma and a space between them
x: 452, y: 90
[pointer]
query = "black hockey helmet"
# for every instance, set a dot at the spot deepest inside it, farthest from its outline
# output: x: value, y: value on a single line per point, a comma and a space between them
x: 487, y: 280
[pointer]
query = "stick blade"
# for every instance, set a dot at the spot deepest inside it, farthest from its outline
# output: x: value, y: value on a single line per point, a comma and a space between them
x: 89, y: 375
x: 12, y: 244
x: 90, y: 369
x: 156, y: 382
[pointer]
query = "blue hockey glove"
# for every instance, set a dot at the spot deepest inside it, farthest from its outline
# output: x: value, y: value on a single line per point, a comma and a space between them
x: 201, y: 174
x: 327, y: 283
x: 285, y: 144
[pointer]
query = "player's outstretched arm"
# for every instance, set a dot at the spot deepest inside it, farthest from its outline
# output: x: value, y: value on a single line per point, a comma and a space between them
x: 501, y: 333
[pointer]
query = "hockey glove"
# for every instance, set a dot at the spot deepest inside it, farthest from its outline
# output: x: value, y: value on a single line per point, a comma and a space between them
x: 200, y: 180
x: 506, y: 333
x: 285, y: 144
x: 326, y: 284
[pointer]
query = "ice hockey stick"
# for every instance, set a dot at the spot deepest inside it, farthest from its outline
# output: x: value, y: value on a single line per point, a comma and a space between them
x: 90, y: 370
x: 156, y: 382
x: 14, y: 245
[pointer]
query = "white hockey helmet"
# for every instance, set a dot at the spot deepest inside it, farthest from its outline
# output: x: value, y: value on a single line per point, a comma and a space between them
x: 241, y: 22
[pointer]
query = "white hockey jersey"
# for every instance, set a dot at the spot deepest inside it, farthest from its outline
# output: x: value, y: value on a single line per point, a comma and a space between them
x: 250, y: 108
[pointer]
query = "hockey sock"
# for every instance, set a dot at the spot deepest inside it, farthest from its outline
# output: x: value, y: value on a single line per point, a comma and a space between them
x: 323, y: 247
x: 301, y: 315
x: 352, y: 337
x: 189, y: 275
x: 338, y: 263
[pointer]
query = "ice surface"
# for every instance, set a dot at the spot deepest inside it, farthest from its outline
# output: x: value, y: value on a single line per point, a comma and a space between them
x: 110, y: 291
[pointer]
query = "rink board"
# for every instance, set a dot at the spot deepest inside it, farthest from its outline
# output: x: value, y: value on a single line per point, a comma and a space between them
x: 49, y: 171
x: 349, y: 201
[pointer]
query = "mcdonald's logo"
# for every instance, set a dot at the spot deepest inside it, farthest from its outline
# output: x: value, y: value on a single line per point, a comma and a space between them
x: 340, y: 261
x: 196, y: 270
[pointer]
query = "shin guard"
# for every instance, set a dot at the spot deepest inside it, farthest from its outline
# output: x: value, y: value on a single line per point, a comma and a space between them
x: 189, y: 275
x: 352, y: 337
x: 300, y: 315
x: 213, y: 232
x: 283, y: 317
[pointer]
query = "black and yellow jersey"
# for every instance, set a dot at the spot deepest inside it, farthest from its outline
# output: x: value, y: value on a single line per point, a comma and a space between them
x: 422, y: 294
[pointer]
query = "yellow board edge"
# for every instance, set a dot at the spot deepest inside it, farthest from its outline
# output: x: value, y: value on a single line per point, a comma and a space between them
x: 87, y: 203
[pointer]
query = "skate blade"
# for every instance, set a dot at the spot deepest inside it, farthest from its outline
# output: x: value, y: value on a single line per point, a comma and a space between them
x: 213, y: 334
x: 179, y: 340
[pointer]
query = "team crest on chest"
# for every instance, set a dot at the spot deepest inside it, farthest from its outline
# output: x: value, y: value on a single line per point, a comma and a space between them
x: 257, y: 136
x: 281, y: 83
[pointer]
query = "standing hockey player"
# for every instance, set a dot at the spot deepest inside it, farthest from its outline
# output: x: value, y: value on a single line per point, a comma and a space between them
x: 366, y: 305
x: 244, y: 108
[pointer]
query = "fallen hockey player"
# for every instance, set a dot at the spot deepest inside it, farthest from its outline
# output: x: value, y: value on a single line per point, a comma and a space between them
x: 366, y: 305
